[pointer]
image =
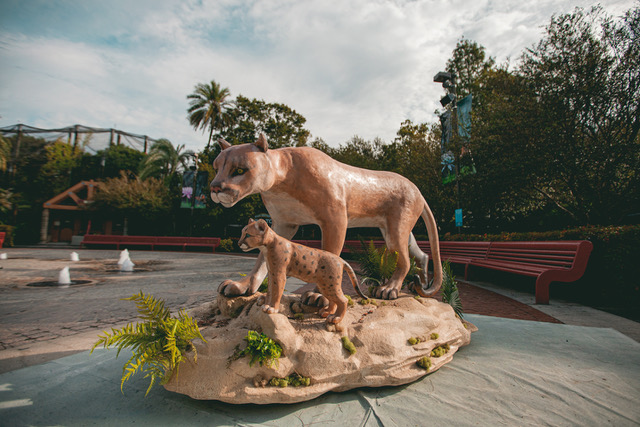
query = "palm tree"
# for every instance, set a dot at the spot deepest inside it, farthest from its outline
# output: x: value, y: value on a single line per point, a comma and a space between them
x: 164, y: 160
x: 209, y: 108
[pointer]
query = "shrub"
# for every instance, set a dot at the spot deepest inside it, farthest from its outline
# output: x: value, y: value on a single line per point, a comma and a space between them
x: 261, y: 349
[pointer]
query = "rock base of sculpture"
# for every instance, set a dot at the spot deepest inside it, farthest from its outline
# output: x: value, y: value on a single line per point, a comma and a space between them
x: 383, y: 335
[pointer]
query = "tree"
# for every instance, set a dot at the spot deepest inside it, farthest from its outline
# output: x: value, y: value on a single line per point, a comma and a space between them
x: 144, y: 202
x: 62, y: 159
x: 586, y: 74
x: 5, y: 153
x: 164, y: 160
x: 209, y: 108
x: 468, y: 61
x: 283, y: 126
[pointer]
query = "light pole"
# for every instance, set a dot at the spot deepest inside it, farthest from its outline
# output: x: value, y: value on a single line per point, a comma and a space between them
x: 449, y: 101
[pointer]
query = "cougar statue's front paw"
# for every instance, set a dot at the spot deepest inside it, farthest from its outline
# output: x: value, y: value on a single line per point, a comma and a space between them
x: 231, y: 288
x: 385, y: 292
x: 315, y: 299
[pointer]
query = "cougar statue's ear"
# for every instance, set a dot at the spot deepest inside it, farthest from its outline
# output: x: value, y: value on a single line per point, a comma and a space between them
x: 261, y: 143
x: 223, y: 144
x: 251, y: 221
x: 262, y: 225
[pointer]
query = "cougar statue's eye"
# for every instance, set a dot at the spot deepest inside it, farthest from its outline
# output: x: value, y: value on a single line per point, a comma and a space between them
x: 239, y: 171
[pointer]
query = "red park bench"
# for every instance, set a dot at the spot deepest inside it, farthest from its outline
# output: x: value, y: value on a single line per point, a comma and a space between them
x: 2, y: 235
x: 557, y: 261
x: 150, y: 241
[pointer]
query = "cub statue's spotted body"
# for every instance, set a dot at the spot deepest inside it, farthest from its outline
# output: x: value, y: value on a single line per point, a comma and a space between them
x: 285, y: 258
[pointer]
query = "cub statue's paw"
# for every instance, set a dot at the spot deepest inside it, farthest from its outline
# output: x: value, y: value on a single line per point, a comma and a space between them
x: 385, y: 292
x: 315, y: 299
x: 231, y: 288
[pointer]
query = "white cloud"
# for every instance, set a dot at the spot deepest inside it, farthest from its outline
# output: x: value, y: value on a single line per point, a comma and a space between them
x: 350, y: 67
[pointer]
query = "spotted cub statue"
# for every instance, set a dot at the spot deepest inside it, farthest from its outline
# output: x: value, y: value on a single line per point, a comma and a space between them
x: 285, y: 258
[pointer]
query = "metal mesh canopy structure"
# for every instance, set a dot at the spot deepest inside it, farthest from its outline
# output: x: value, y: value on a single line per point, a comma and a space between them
x: 91, y: 139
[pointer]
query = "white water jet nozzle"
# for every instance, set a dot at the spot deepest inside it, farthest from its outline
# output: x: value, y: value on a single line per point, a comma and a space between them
x: 74, y: 256
x: 124, y: 255
x: 127, y: 265
x: 3, y: 255
x: 64, y: 278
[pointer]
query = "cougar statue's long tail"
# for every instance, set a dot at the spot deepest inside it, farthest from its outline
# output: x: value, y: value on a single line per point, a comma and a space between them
x: 432, y: 230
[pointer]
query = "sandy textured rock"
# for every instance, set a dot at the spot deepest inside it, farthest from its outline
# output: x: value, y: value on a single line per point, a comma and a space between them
x: 380, y: 333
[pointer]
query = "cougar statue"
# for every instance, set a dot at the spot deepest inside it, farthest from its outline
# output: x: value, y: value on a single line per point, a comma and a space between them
x: 285, y: 258
x: 302, y: 185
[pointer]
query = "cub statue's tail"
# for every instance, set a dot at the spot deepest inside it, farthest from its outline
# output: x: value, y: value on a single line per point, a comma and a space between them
x: 353, y: 278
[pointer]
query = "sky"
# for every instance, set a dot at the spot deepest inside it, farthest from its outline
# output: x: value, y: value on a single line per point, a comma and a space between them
x: 350, y: 67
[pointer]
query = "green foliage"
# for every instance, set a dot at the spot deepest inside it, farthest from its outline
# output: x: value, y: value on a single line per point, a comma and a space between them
x: 132, y: 196
x: 5, y: 153
x: 434, y: 336
x: 282, y: 125
x: 260, y: 348
x: 378, y: 264
x: 294, y: 380
x: 159, y: 344
x: 348, y: 345
x: 440, y: 351
x: 164, y: 160
x: 226, y: 245
x: 413, y: 341
x: 449, y: 289
x: 424, y: 363
x: 210, y: 108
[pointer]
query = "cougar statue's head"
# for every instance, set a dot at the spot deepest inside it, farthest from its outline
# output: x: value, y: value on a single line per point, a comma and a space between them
x: 241, y: 170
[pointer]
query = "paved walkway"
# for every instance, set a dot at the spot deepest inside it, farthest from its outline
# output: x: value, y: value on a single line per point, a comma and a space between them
x: 40, y: 323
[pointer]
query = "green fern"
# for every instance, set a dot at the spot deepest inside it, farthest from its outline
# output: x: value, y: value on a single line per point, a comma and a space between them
x: 449, y: 289
x: 158, y: 345
x: 377, y: 265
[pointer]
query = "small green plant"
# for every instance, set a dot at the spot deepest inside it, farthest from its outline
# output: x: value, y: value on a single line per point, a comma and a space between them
x: 226, y: 245
x: 261, y: 349
x: 350, y: 302
x: 299, y: 316
x: 434, y: 336
x: 424, y: 363
x: 414, y: 341
x: 440, y: 350
x: 159, y: 344
x: 264, y: 286
x: 348, y: 345
x: 449, y: 290
x: 377, y: 265
x: 294, y: 380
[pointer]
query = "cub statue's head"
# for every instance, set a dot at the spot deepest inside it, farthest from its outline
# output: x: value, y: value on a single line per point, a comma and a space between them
x: 254, y: 235
x: 241, y: 170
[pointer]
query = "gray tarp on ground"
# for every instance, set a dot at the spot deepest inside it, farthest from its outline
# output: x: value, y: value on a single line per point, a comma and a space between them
x: 513, y: 373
